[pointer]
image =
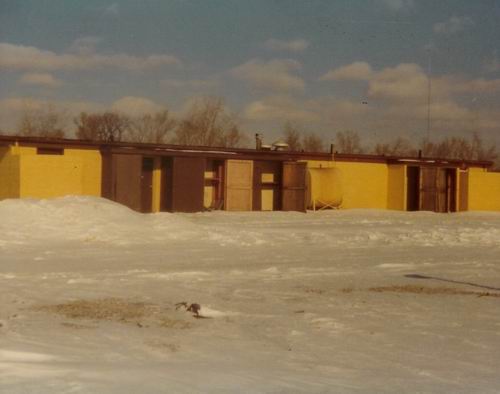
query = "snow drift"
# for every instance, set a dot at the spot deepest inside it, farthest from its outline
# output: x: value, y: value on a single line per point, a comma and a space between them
x: 342, y: 301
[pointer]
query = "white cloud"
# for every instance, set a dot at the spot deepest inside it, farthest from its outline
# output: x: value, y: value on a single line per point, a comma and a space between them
x: 356, y: 71
x: 12, y: 108
x: 280, y: 108
x: 19, y: 57
x: 298, y: 45
x: 190, y: 84
x: 274, y: 75
x: 405, y: 81
x: 397, y: 102
x: 453, y: 25
x: 136, y: 106
x: 397, y: 5
x: 40, y: 79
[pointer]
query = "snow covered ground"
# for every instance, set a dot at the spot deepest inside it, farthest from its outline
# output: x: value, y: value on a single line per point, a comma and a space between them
x: 325, y: 302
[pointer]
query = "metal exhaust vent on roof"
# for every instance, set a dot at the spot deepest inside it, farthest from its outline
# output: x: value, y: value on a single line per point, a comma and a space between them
x: 280, y: 145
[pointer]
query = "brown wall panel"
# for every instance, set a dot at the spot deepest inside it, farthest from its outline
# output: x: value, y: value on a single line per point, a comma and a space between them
x: 294, y: 186
x: 166, y: 182
x: 188, y: 179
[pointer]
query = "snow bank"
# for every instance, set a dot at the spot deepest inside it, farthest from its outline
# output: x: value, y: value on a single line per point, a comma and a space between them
x: 86, y: 219
x: 96, y: 220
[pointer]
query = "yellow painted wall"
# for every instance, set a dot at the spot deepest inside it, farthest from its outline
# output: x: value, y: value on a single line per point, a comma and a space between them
x: 396, y: 187
x: 484, y: 190
x: 9, y: 174
x: 364, y: 185
x: 157, y: 185
x: 92, y: 169
x: 77, y: 172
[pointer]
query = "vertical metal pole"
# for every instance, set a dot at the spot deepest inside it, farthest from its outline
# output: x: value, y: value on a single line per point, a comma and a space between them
x: 429, y: 87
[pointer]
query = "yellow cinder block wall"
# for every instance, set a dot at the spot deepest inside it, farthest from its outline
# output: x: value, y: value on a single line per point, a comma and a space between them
x: 76, y: 172
x: 9, y: 174
x: 484, y: 190
x: 364, y: 185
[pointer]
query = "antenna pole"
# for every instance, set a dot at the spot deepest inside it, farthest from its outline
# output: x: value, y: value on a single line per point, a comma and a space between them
x: 429, y: 89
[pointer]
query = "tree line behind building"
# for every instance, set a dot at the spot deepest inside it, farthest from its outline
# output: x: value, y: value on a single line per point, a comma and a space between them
x: 208, y: 123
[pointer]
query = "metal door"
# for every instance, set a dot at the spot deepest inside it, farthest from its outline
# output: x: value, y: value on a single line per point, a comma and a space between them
x: 187, y: 184
x: 294, y: 186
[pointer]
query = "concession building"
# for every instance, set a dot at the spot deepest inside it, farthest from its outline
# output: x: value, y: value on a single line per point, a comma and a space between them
x: 153, y: 177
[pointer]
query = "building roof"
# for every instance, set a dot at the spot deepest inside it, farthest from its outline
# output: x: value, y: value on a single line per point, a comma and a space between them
x: 232, y: 153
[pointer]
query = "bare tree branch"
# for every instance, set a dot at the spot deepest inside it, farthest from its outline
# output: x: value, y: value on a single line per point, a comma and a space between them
x: 108, y: 126
x: 151, y: 128
x: 208, y: 124
x: 45, y: 122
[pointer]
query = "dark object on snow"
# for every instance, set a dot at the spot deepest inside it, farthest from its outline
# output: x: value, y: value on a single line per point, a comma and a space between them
x: 194, y: 308
x: 418, y: 276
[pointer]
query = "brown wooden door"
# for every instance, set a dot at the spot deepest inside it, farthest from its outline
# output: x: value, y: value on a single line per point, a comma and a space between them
x: 464, y: 191
x: 294, y: 186
x: 239, y: 179
x: 438, y: 189
x: 147, y: 185
x: 126, y: 182
x: 442, y: 201
x: 451, y: 189
x: 428, y: 189
x: 413, y: 188
x: 187, y: 184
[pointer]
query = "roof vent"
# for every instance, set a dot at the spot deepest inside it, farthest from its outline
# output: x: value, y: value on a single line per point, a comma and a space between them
x: 280, y: 145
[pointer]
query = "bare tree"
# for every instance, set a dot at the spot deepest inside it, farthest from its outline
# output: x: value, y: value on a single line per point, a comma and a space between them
x: 208, y: 124
x: 460, y: 148
x: 480, y: 151
x: 108, y: 126
x: 292, y: 136
x: 312, y: 143
x: 151, y: 128
x: 45, y: 122
x: 399, y: 147
x: 348, y: 142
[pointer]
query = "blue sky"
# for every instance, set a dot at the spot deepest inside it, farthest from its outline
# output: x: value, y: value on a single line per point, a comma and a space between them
x: 326, y: 66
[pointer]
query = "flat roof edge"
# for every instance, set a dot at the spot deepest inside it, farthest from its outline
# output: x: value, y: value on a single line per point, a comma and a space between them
x: 171, y: 149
